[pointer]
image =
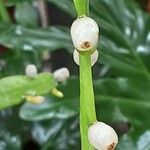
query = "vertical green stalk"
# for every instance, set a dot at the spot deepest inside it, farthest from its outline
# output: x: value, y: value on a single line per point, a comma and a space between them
x: 82, y: 7
x: 4, y: 16
x: 87, y: 102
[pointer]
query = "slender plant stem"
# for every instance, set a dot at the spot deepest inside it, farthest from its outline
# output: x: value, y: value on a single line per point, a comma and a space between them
x: 43, y: 13
x: 4, y: 13
x: 87, y: 102
x: 82, y: 7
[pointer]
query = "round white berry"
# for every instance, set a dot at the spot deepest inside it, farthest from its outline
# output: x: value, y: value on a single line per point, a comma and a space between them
x: 85, y: 34
x: 61, y: 74
x: 102, y: 137
x: 31, y: 71
x: 94, y: 57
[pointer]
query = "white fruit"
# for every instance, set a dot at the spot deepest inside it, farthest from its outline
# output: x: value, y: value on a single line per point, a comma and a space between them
x: 61, y: 74
x: 31, y: 71
x: 94, y: 57
x: 102, y: 137
x: 85, y: 34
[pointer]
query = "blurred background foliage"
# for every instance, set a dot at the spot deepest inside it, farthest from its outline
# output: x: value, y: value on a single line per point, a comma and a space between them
x: 38, y: 32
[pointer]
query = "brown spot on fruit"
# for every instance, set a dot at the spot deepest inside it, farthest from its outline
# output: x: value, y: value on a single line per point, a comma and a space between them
x: 111, y: 146
x: 85, y: 45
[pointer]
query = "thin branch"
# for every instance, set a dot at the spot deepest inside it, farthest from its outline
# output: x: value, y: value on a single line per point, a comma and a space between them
x: 43, y: 13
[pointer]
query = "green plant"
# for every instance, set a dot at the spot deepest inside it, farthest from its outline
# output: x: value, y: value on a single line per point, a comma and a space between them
x: 123, y: 44
x: 122, y: 93
x: 85, y: 33
x: 87, y: 116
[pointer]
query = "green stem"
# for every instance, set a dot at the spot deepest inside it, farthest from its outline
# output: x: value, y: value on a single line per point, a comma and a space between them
x: 82, y: 7
x: 87, y: 102
x: 3, y: 13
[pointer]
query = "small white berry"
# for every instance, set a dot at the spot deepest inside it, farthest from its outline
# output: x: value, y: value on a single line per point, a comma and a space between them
x: 85, y: 34
x: 102, y: 137
x: 31, y: 71
x: 61, y: 74
x: 94, y: 57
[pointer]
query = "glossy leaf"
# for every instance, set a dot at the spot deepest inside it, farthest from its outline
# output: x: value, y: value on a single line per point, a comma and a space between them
x: 49, y: 109
x: 18, y: 37
x: 14, y: 88
x: 57, y: 134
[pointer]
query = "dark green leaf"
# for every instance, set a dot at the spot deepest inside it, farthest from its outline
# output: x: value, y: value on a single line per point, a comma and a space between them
x: 49, y: 109
x: 57, y: 134
x: 18, y: 37
x: 26, y: 15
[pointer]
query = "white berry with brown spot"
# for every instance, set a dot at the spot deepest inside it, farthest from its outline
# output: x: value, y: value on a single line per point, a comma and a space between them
x: 102, y: 136
x: 85, y: 34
